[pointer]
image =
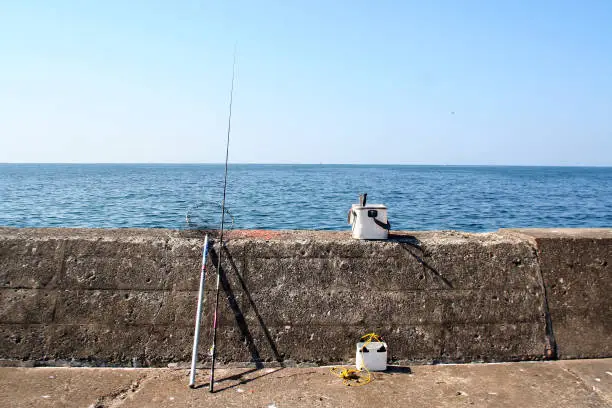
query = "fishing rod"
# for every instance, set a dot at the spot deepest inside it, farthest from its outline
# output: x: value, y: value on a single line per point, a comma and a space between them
x: 196, y: 337
x: 215, y: 320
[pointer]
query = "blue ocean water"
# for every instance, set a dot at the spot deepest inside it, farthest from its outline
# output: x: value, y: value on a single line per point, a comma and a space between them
x: 468, y: 198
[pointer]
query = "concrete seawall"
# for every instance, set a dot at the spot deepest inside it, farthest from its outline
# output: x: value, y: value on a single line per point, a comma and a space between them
x: 128, y: 296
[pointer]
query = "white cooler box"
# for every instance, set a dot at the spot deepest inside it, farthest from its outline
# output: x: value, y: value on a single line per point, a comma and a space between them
x: 375, y: 359
x: 369, y: 221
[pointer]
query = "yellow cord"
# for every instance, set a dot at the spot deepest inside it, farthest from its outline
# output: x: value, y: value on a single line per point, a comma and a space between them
x: 370, y: 337
x: 352, y: 377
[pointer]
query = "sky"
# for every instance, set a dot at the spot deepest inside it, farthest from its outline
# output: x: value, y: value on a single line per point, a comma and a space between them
x: 382, y: 82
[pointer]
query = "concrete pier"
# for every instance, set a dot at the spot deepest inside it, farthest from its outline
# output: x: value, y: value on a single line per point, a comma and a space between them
x: 554, y: 384
x: 127, y: 297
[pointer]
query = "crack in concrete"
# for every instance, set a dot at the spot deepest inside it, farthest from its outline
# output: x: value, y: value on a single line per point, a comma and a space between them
x: 599, y: 393
x: 551, y: 342
x: 159, y: 308
x: 165, y: 263
x: 117, y: 398
x: 551, y: 351
x: 58, y: 277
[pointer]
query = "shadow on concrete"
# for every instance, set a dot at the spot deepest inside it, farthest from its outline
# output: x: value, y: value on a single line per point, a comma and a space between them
x: 228, y: 378
x: 241, y: 379
x: 241, y: 321
x: 409, y: 244
x: 235, y: 307
x: 403, y: 238
x: 238, y: 315
x: 398, y: 370
x: 246, y: 291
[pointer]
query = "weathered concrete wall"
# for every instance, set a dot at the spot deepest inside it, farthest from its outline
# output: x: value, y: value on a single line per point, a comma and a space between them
x: 119, y: 296
x: 575, y: 265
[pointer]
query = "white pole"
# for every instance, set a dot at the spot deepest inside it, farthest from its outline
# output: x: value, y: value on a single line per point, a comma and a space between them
x: 198, y: 319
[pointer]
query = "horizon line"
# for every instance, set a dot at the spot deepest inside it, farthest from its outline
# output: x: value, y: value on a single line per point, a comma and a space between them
x: 314, y: 164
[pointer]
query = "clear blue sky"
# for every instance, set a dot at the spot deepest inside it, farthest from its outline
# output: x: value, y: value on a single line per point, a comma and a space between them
x: 529, y: 82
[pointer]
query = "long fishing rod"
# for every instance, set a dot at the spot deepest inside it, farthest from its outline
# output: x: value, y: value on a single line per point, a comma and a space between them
x: 215, y: 321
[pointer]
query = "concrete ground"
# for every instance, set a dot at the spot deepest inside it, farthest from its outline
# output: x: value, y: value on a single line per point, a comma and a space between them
x: 577, y: 383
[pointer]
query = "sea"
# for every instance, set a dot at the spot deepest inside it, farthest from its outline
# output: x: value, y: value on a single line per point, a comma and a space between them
x: 268, y: 196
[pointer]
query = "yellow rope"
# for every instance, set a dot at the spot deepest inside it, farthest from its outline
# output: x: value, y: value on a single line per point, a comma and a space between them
x: 370, y: 337
x: 352, y: 377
